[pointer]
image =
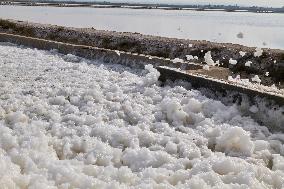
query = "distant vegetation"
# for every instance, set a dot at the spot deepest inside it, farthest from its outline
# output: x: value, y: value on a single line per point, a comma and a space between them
x: 105, y: 4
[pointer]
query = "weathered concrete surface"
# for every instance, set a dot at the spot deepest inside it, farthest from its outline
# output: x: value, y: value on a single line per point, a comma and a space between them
x: 271, y: 61
x: 222, y: 86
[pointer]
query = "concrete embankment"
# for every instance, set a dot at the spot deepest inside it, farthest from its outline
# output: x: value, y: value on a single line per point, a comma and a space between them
x: 271, y: 60
x: 137, y: 50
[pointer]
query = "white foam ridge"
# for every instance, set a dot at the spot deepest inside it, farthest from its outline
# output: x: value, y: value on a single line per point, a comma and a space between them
x: 68, y: 122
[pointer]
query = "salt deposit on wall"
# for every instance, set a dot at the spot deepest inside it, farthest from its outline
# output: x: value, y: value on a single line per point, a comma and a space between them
x: 67, y: 122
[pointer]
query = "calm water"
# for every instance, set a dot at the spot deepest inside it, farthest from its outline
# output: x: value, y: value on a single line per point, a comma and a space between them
x: 263, y: 30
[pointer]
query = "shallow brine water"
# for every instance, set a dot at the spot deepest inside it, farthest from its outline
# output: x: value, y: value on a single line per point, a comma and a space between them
x: 251, y: 29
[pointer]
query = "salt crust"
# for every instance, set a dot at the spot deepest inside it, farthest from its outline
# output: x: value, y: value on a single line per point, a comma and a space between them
x: 67, y: 122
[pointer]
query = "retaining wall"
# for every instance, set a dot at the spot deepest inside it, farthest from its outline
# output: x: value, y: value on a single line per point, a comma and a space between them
x: 139, y: 61
x: 272, y: 60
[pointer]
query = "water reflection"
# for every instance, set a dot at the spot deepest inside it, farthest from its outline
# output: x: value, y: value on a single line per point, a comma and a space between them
x: 263, y: 30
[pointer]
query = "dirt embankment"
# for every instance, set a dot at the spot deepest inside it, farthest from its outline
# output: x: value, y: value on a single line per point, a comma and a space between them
x: 271, y: 60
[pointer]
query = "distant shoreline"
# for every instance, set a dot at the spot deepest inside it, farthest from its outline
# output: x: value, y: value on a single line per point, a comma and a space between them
x: 225, y: 8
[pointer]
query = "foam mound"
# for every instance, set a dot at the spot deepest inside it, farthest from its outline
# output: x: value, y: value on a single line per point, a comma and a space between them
x: 67, y: 122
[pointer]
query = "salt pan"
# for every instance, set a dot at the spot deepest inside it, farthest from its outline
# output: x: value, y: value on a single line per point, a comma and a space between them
x: 102, y: 125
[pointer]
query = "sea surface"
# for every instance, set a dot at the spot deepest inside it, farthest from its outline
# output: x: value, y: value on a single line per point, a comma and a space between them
x: 251, y: 29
